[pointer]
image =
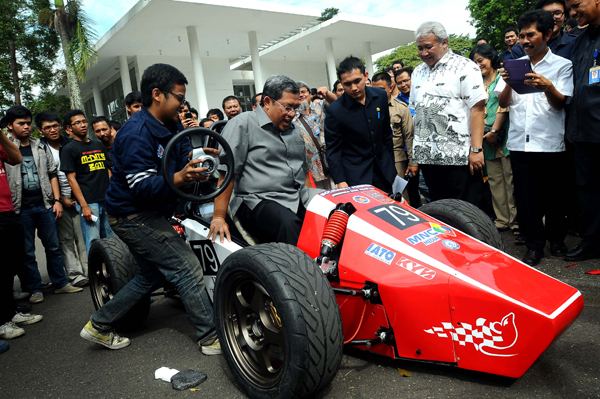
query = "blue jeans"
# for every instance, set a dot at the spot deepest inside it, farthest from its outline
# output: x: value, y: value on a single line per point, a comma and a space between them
x: 160, y: 255
x: 42, y: 219
x: 94, y: 230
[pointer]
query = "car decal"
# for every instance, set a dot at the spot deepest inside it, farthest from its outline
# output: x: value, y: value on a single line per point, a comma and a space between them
x: 397, y: 216
x: 380, y: 253
x: 416, y: 268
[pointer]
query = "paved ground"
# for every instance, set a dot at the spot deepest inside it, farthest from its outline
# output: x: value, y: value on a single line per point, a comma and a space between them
x: 51, y: 361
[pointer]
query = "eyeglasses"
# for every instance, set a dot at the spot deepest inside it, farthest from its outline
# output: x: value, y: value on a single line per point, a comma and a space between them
x: 288, y: 110
x: 557, y: 14
x: 47, y: 129
x: 83, y: 122
x: 402, y: 82
x: 179, y: 97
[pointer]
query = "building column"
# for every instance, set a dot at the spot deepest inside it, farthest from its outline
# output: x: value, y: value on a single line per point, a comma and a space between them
x: 124, y: 70
x: 368, y: 58
x: 256, y: 68
x: 331, y: 71
x: 97, y: 98
x: 202, y: 105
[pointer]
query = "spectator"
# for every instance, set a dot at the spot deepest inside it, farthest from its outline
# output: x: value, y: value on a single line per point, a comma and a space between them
x: 186, y: 117
x: 194, y: 112
x: 561, y: 42
x: 11, y: 248
x: 36, y: 199
x: 536, y: 138
x: 215, y: 115
x: 397, y: 65
x: 133, y: 103
x: 497, y: 156
x: 139, y: 202
x: 270, y: 172
x: 358, y: 133
x: 570, y: 24
x: 583, y: 129
x: 87, y: 166
x: 514, y: 50
x: 449, y: 101
x: 402, y: 79
x: 367, y: 82
x: 338, y: 89
x: 256, y: 100
x: 115, y: 126
x: 69, y: 225
x: 404, y: 130
x: 482, y: 40
x: 206, y: 123
x: 102, y: 130
x: 232, y: 107
x: 309, y: 121
x: 576, y: 29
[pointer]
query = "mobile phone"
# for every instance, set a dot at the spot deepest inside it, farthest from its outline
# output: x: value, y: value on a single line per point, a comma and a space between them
x: 188, y: 115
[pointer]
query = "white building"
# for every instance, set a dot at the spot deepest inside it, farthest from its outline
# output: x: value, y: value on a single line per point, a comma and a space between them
x: 226, y: 49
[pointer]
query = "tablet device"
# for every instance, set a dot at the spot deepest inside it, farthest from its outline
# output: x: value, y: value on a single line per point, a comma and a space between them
x: 517, y: 70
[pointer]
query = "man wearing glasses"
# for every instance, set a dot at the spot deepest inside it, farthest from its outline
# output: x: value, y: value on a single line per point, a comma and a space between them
x: 87, y: 166
x: 560, y: 42
x: 271, y: 172
x: 69, y: 225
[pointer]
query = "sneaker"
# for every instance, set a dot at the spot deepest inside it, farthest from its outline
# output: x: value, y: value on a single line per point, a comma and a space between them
x: 18, y: 296
x: 10, y: 331
x: 36, y: 297
x: 109, y: 339
x: 24, y: 319
x: 211, y: 347
x: 82, y: 283
x: 4, y: 346
x: 67, y: 289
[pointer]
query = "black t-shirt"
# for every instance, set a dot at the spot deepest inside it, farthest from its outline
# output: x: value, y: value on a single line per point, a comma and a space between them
x: 90, y: 162
x: 32, y: 190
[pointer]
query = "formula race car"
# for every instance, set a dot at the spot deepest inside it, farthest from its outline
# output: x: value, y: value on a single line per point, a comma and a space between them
x: 430, y: 285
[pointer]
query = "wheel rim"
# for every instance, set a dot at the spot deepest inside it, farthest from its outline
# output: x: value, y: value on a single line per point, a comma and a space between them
x: 101, y: 284
x: 253, y: 330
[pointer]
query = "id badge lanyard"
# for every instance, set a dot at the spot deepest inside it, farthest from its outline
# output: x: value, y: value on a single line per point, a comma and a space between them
x: 595, y: 70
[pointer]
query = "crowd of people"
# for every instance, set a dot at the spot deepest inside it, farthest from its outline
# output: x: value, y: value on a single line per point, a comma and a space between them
x: 454, y: 127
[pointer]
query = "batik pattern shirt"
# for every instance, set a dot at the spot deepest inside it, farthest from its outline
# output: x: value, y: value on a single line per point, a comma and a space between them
x: 315, y: 120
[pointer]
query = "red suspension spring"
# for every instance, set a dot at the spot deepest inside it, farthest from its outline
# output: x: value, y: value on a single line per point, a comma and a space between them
x: 336, y: 227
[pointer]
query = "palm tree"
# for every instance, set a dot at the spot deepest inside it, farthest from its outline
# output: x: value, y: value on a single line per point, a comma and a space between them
x: 76, y: 33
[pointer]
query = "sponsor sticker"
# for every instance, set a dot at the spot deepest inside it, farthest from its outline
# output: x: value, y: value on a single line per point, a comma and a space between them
x: 442, y: 229
x: 378, y: 252
x: 416, y: 268
x: 450, y: 244
x: 377, y: 196
x: 431, y: 235
x: 360, y: 199
x: 160, y: 151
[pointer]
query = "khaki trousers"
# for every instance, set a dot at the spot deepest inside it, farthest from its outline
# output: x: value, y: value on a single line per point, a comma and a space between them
x: 503, y: 195
x: 72, y: 245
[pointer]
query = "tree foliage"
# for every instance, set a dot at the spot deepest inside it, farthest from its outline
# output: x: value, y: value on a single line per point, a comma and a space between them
x: 409, y: 54
x: 491, y: 18
x: 328, y: 13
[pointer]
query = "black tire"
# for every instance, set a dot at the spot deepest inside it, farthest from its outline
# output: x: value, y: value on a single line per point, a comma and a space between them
x: 296, y: 306
x: 110, y: 267
x: 467, y: 218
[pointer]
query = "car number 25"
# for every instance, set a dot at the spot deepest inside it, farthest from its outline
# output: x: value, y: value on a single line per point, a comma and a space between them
x: 397, y: 216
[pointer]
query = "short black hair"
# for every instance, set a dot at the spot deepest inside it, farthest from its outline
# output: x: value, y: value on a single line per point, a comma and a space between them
x: 543, y: 3
x: 482, y: 38
x: 133, y: 97
x: 194, y: 111
x: 572, y: 22
x: 68, y: 118
x: 229, y: 98
x: 203, y: 121
x: 487, y: 51
x: 398, y: 62
x: 399, y: 72
x: 46, y: 116
x: 543, y: 20
x: 115, y: 124
x: 99, y: 119
x: 511, y: 29
x: 13, y: 113
x: 383, y: 76
x: 386, y: 70
x: 215, y: 111
x: 349, y: 64
x: 254, y: 98
x: 337, y: 82
x: 163, y: 77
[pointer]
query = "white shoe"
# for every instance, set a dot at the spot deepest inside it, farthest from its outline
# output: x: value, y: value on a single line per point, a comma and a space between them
x: 109, y: 339
x: 211, y: 348
x: 36, y: 297
x: 24, y: 319
x: 67, y: 289
x: 10, y: 331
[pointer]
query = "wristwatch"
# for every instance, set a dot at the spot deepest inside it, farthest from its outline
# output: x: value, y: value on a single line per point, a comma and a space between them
x: 58, y: 200
x: 476, y: 149
x: 493, y: 131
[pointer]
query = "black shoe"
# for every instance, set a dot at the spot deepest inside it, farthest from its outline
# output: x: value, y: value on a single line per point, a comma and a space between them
x: 520, y: 240
x: 23, y: 308
x: 579, y: 254
x: 532, y: 258
x: 558, y: 249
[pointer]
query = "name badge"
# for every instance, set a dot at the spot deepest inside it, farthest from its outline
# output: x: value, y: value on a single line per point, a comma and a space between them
x: 595, y: 75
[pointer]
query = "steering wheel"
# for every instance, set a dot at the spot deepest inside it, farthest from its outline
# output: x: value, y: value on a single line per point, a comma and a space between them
x: 207, y: 190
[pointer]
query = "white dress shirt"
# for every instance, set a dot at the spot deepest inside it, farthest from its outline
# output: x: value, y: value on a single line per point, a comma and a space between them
x: 535, y: 126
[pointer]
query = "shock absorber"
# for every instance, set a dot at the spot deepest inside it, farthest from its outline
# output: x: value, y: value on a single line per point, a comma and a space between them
x: 335, y: 229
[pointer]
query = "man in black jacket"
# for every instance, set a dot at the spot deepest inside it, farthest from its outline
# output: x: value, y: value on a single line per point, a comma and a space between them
x: 358, y: 134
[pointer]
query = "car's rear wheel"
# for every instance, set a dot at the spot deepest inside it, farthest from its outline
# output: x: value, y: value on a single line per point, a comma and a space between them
x: 467, y: 218
x: 110, y: 267
x: 278, y: 322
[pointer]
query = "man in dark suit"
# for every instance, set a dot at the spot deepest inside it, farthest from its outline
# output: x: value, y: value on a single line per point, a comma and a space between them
x: 358, y: 134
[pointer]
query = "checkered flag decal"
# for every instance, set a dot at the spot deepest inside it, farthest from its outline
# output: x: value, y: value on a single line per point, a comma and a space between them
x: 491, y: 338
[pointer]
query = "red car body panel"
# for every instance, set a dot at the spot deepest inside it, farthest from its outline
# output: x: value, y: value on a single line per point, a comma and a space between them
x: 448, y: 297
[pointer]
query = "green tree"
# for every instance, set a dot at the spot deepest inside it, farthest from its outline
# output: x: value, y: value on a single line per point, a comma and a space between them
x: 409, y: 54
x: 27, y: 51
x: 328, y: 13
x: 491, y: 18
x: 77, y: 33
